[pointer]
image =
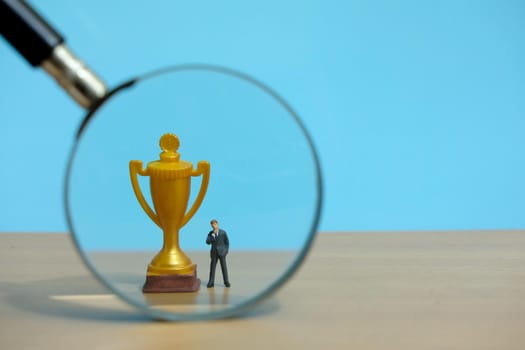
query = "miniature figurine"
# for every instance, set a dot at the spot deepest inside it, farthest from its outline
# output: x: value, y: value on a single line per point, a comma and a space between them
x: 170, y: 180
x: 220, y: 245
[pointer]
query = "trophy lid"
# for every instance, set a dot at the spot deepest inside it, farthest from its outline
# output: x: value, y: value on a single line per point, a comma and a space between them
x: 170, y: 163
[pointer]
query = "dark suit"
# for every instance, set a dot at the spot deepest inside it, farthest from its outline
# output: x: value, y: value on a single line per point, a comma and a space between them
x: 219, y: 249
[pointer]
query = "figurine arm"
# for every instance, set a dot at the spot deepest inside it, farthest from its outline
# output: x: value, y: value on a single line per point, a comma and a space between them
x: 227, y: 242
x: 210, y: 239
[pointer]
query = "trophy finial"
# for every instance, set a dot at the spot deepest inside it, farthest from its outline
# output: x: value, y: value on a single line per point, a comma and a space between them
x: 169, y: 143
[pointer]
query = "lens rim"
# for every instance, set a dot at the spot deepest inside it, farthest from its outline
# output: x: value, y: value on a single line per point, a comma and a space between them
x: 275, y: 285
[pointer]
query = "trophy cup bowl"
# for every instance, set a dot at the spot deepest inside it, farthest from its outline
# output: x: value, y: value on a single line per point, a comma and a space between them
x: 171, y: 270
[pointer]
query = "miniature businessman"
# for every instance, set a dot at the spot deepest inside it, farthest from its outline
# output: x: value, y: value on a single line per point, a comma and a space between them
x: 219, y: 249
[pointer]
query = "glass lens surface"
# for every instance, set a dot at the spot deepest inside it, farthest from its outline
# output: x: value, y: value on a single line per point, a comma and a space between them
x: 264, y: 190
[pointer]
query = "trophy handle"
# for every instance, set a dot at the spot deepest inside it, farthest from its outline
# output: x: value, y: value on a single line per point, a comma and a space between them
x: 135, y: 166
x: 203, y: 167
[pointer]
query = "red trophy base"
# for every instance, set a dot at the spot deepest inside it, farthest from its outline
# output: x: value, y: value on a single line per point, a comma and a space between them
x: 172, y: 283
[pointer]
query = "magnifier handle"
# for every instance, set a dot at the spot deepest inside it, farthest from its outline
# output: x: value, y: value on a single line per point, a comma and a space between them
x: 43, y: 46
x: 203, y: 168
x: 135, y: 167
x: 27, y: 32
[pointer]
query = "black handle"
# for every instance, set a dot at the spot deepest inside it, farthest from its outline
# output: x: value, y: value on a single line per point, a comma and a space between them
x: 27, y: 32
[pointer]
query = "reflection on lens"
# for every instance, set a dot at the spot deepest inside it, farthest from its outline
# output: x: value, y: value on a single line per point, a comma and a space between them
x: 230, y: 149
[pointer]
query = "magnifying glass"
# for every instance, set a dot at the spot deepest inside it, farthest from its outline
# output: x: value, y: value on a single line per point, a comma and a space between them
x: 192, y: 191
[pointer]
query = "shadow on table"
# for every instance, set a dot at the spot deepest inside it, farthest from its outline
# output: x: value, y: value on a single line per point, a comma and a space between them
x: 58, y: 298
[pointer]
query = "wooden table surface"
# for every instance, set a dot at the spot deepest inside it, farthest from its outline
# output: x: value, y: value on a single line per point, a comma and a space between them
x: 418, y: 290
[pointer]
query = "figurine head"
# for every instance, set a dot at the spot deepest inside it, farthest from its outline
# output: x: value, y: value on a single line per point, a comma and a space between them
x: 215, y: 224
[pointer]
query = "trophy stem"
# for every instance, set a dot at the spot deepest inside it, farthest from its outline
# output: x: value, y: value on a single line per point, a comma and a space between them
x: 171, y: 259
x: 171, y: 241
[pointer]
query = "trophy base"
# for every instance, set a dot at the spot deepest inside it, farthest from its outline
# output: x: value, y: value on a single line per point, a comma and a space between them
x: 172, y: 283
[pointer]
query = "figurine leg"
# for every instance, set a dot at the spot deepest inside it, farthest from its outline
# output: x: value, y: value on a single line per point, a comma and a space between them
x: 213, y: 265
x: 224, y: 270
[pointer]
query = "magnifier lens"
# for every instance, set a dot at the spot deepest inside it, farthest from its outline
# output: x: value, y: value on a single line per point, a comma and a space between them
x: 264, y: 187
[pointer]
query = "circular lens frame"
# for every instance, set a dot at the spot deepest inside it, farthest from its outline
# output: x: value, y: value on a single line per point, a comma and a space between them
x: 290, y: 270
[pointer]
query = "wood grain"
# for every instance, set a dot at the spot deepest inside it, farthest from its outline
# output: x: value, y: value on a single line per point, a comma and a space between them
x: 403, y: 290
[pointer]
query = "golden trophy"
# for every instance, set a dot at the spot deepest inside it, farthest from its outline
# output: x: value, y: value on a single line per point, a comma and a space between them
x: 170, y: 180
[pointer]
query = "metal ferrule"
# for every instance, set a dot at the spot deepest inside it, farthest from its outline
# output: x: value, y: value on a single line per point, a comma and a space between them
x: 74, y: 77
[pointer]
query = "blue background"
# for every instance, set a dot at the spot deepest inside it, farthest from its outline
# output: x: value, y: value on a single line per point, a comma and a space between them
x: 417, y: 107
